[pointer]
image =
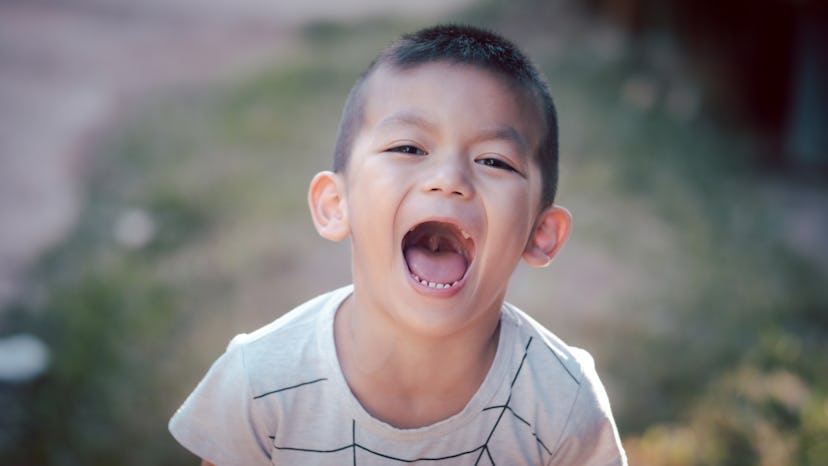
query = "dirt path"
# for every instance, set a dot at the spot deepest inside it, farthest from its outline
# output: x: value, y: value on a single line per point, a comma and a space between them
x: 68, y: 70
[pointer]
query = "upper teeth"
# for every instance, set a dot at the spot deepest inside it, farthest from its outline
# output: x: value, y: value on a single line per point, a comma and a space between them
x: 465, y: 235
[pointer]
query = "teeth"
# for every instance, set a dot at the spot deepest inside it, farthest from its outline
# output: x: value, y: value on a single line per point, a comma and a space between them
x: 465, y: 235
x: 435, y: 285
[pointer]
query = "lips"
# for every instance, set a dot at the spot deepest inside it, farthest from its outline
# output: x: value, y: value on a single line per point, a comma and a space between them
x: 438, y: 254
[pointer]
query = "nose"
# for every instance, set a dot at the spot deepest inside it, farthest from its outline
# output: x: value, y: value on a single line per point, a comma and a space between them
x: 448, y: 176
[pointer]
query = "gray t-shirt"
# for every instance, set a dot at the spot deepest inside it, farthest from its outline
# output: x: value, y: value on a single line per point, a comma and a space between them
x: 277, y: 396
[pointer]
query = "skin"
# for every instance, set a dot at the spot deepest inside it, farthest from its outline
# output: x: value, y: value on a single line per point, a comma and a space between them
x: 439, y: 142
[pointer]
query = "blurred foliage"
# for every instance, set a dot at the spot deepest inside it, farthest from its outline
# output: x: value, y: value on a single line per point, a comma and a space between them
x: 107, y: 329
x: 747, y: 416
x: 735, y: 376
x: 110, y: 320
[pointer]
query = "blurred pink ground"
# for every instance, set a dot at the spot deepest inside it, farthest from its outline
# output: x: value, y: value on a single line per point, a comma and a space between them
x: 68, y: 71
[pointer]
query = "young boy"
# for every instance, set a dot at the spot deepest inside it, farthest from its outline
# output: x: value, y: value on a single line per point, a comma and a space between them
x: 445, y: 176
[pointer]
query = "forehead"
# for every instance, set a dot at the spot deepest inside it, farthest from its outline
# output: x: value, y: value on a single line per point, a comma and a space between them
x: 441, y: 95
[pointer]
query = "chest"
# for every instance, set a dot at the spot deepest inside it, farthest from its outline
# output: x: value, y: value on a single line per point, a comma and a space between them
x: 324, y: 428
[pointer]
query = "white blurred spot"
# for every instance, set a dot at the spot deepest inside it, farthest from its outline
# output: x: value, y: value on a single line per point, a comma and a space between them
x: 22, y: 357
x: 134, y: 229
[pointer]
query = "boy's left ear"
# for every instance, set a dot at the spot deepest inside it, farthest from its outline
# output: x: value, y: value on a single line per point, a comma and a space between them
x: 551, y: 232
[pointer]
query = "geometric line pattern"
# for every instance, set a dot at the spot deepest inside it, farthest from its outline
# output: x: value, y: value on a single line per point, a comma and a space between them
x: 288, y: 388
x: 481, y: 451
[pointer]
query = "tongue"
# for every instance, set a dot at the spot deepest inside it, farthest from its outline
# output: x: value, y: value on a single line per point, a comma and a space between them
x: 435, y: 266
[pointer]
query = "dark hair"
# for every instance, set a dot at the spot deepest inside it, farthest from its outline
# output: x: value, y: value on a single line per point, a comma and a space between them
x: 464, y: 45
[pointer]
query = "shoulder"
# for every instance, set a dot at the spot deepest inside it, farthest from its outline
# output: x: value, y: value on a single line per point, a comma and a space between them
x: 577, y: 425
x: 562, y: 372
x: 554, y: 377
x: 292, y: 344
x: 574, y: 363
x: 293, y: 323
x: 228, y: 418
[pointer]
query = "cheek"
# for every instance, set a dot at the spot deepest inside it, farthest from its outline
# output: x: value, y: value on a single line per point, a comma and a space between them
x: 372, y: 198
x: 510, y: 217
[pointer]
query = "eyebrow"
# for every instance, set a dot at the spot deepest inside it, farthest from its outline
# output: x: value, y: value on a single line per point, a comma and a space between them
x: 408, y: 118
x: 499, y: 132
x: 507, y: 133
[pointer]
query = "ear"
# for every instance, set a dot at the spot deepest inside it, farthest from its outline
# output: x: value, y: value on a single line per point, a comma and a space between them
x: 551, y: 232
x: 326, y: 199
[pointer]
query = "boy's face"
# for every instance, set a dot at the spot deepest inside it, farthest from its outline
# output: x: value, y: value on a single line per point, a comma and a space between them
x: 441, y: 194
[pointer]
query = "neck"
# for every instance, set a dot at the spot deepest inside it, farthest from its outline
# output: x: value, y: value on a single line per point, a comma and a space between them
x: 410, y: 379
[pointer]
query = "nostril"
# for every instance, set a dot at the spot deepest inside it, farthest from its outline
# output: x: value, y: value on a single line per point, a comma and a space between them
x: 448, y: 183
x: 453, y: 192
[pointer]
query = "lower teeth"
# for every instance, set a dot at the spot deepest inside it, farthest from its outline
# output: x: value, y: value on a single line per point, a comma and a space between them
x: 429, y: 284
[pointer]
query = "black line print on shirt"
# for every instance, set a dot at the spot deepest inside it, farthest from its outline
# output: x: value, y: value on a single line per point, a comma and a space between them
x: 289, y: 388
x: 481, y: 452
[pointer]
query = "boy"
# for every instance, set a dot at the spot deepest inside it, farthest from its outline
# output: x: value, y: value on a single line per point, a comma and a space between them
x: 444, y: 178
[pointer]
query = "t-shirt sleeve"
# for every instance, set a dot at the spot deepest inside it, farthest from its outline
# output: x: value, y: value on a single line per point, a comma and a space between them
x: 591, y: 437
x: 217, y: 421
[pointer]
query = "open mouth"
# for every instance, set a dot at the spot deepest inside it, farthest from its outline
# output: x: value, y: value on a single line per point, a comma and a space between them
x: 438, y: 254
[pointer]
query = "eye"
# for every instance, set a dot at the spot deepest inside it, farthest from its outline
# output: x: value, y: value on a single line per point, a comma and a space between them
x: 496, y: 163
x: 407, y: 149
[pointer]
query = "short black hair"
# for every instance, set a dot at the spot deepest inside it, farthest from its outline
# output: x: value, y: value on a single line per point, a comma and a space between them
x: 466, y: 45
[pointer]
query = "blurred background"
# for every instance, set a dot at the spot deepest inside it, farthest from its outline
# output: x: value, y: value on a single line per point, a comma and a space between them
x: 155, y: 156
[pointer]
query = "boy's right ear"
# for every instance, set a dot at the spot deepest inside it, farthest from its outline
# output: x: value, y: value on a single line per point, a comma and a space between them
x: 326, y: 199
